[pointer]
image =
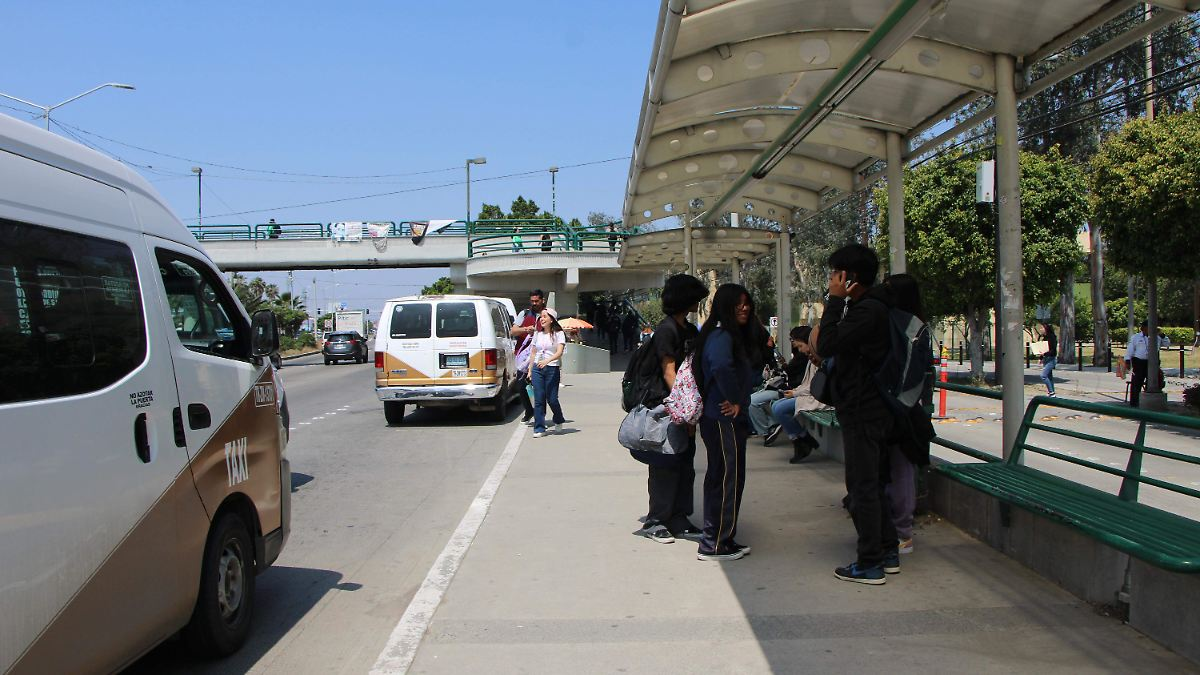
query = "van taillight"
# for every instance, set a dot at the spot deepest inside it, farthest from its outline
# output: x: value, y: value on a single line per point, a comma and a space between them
x: 379, y: 360
x: 489, y: 359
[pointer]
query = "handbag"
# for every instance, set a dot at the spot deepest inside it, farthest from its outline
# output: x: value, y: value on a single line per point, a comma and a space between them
x: 650, y: 430
x: 803, y: 394
x: 821, y: 386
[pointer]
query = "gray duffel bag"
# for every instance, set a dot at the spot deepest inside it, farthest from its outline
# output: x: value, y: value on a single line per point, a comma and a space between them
x: 651, y: 430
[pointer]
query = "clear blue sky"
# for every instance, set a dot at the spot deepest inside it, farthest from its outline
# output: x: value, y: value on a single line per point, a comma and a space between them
x: 346, y: 89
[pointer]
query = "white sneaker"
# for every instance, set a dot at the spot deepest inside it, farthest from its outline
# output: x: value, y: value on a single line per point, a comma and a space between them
x: 558, y: 428
x: 528, y: 422
x: 538, y: 434
x: 906, y: 546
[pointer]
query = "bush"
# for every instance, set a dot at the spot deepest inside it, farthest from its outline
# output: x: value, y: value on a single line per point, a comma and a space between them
x: 302, y: 341
x: 1191, y: 396
x: 1178, y: 335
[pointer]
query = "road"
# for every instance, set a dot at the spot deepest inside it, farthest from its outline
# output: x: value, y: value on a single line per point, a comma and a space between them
x: 372, y: 507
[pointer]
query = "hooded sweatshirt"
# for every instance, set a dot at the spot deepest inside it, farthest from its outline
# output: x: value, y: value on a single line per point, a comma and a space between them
x: 858, y: 341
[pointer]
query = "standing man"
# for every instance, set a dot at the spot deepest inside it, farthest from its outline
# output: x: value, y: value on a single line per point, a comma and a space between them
x: 614, y: 329
x: 1137, y: 358
x: 854, y: 331
x: 523, y: 329
x: 629, y: 329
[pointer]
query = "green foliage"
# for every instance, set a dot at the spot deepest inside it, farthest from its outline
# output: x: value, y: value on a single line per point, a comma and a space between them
x: 1178, y: 335
x: 1084, y: 329
x: 254, y: 293
x: 304, y: 340
x: 490, y: 212
x: 1118, y: 312
x: 651, y: 311
x: 523, y: 209
x: 1145, y: 187
x: 443, y: 286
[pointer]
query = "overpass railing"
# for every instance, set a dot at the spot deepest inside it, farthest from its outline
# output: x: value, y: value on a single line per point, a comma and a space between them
x: 540, y: 235
x: 292, y: 231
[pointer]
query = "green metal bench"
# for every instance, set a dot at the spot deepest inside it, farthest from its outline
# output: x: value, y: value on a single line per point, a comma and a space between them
x: 1158, y: 537
x: 823, y: 425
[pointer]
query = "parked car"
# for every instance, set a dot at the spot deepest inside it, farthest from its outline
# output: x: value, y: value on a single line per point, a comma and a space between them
x: 345, y: 346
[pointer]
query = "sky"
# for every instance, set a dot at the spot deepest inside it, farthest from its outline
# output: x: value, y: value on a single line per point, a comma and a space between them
x: 266, y: 97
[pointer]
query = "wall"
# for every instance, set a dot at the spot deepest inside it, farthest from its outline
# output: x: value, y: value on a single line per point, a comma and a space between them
x: 579, y: 359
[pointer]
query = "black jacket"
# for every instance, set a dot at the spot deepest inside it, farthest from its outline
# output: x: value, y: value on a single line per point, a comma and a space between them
x: 858, y: 342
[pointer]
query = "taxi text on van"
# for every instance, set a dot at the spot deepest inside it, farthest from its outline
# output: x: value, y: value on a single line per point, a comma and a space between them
x: 445, y: 350
x: 143, y: 478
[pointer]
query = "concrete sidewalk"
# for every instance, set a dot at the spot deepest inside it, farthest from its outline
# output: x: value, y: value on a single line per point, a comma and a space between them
x: 555, y: 582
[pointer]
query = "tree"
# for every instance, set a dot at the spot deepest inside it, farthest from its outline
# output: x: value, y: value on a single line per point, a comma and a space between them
x: 599, y: 219
x: 490, y: 212
x: 523, y: 209
x: 255, y: 293
x: 1145, y: 196
x: 443, y: 286
x: 949, y: 239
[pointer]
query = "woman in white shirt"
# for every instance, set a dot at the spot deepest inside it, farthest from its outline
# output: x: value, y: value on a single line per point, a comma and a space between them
x: 545, y: 368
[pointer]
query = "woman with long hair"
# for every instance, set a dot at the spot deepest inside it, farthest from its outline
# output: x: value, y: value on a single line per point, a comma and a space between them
x: 725, y: 351
x: 549, y: 342
x: 783, y: 411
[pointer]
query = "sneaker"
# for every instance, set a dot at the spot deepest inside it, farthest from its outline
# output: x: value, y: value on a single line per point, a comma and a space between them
x: 558, y: 428
x: 656, y: 532
x: 891, y: 562
x: 906, y: 546
x: 689, y: 532
x: 719, y: 554
x: 869, y: 575
x: 800, y: 450
x: 539, y: 434
x: 741, y: 547
x: 528, y: 421
x: 773, y: 435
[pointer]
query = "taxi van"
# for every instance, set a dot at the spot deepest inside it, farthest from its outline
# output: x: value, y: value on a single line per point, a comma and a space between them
x: 143, y: 476
x: 445, y: 351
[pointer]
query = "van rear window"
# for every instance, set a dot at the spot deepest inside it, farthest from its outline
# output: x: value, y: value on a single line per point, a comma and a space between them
x: 412, y: 320
x: 456, y: 319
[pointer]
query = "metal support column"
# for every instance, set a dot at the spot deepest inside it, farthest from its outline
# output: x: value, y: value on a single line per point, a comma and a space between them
x: 689, y: 251
x: 783, y: 278
x: 735, y: 271
x: 1008, y: 189
x: 895, y: 180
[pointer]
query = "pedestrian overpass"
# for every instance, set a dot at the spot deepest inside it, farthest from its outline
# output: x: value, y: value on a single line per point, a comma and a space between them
x: 502, y: 257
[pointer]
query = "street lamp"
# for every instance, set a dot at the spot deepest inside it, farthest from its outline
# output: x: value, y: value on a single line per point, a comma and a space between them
x: 46, y: 109
x: 199, y: 194
x: 477, y: 160
x: 553, y: 191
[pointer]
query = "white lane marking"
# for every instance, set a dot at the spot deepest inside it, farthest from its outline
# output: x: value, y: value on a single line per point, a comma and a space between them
x: 305, y: 423
x: 405, y: 639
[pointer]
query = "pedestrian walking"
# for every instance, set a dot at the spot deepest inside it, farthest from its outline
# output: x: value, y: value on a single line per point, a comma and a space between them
x: 671, y: 483
x: 545, y: 372
x: 854, y: 330
x: 523, y: 329
x: 612, y: 238
x: 545, y: 242
x: 725, y: 350
x: 1137, y: 361
x: 1049, y: 357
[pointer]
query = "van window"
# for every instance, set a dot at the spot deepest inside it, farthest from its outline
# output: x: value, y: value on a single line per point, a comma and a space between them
x: 412, y: 320
x: 205, y: 317
x: 499, y: 325
x: 456, y: 319
x: 70, y: 313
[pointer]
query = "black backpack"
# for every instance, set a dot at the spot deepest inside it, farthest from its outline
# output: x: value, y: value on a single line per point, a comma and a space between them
x: 643, y: 383
x: 903, y: 379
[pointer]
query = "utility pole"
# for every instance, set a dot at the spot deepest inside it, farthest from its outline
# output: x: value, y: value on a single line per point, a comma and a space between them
x: 1153, y: 384
x: 199, y: 194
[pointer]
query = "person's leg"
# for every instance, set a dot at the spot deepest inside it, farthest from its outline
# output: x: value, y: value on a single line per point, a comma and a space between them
x: 720, y: 484
x: 683, y: 491
x: 862, y: 448
x: 525, y: 402
x: 539, y: 400
x: 740, y: 434
x: 784, y: 412
x: 1048, y: 375
x: 760, y: 410
x: 661, y: 486
x: 553, y: 377
x: 1137, y: 381
x: 902, y: 492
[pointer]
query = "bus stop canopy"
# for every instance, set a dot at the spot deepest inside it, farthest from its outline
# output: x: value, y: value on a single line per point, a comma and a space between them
x: 830, y: 88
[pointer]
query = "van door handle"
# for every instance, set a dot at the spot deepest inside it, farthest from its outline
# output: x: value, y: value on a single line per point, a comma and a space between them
x: 177, y: 424
x: 141, y: 438
x: 198, y: 416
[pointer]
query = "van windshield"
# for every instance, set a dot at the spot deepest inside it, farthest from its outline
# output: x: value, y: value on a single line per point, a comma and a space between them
x: 456, y: 319
x: 412, y: 320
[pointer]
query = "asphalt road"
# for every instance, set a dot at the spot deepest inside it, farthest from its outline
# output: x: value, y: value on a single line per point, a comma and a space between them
x: 372, y: 507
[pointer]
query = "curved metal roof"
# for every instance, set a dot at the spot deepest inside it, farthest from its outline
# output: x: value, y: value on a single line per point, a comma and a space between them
x: 820, y: 84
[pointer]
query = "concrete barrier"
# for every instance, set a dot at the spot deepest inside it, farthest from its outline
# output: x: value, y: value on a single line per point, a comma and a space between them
x: 580, y: 358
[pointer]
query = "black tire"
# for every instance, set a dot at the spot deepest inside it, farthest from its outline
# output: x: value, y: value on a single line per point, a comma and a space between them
x: 499, y: 411
x: 225, y: 605
x: 327, y: 362
x: 393, y: 412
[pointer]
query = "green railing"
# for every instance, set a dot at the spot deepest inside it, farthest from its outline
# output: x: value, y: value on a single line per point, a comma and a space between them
x: 210, y: 232
x: 540, y: 235
x: 1131, y: 475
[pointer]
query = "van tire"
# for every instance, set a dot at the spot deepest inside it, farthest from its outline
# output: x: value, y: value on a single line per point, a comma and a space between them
x: 499, y: 411
x: 327, y: 361
x: 393, y: 412
x: 226, y: 578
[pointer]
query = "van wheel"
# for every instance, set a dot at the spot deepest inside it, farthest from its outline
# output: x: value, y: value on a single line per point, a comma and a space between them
x: 393, y: 412
x: 221, y: 619
x: 499, y: 412
x: 327, y: 362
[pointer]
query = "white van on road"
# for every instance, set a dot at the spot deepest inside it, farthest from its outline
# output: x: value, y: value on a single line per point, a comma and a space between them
x: 443, y: 351
x: 143, y: 477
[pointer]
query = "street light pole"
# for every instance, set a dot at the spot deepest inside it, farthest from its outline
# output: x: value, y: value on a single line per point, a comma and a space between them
x: 47, y: 108
x: 553, y: 192
x: 199, y: 194
x: 477, y: 160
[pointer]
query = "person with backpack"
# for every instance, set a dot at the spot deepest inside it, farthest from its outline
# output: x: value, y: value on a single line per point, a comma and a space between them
x: 671, y: 482
x: 523, y: 328
x: 725, y: 351
x: 855, y: 331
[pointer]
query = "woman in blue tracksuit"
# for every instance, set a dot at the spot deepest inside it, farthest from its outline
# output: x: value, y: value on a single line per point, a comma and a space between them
x: 725, y: 350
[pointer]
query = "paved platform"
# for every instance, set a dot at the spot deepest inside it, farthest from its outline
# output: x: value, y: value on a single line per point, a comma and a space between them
x: 555, y: 582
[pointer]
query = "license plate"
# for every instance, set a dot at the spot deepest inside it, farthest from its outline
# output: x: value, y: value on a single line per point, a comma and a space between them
x: 456, y: 360
x: 458, y: 373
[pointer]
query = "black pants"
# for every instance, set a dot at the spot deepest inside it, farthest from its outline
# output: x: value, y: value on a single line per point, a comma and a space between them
x: 725, y: 443
x: 1138, y: 380
x: 612, y: 341
x: 672, y: 491
x: 525, y: 402
x: 867, y: 475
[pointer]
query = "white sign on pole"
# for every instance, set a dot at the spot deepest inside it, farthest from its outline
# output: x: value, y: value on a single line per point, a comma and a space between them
x: 985, y: 182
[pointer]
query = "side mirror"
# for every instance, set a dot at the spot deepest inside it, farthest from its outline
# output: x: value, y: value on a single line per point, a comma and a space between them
x: 264, y: 333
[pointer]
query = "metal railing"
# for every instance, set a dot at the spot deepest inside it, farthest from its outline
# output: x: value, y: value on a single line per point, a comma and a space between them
x: 540, y: 235
x: 292, y: 231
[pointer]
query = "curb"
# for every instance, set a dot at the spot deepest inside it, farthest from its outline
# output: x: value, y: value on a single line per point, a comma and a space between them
x: 297, y: 356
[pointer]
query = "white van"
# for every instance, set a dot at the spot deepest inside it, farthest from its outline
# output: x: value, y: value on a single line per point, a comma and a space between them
x: 445, y: 350
x: 143, y: 482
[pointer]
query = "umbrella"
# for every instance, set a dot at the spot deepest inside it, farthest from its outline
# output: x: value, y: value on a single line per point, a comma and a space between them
x: 575, y: 323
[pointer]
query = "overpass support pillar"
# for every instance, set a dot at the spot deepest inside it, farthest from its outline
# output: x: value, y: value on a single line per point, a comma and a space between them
x: 895, y: 188
x: 566, y: 303
x: 1008, y: 190
x: 783, y: 279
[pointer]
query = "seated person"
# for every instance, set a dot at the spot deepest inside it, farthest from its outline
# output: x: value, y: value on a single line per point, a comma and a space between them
x: 783, y: 411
